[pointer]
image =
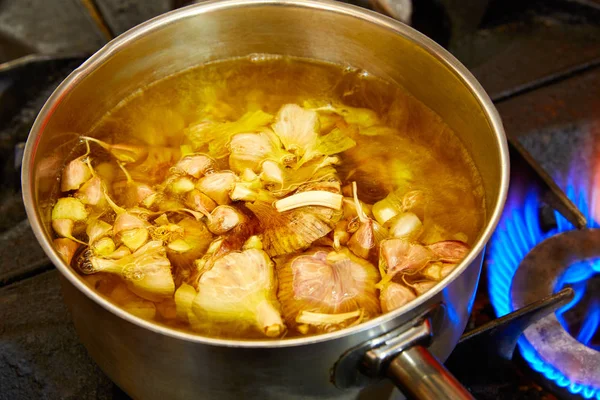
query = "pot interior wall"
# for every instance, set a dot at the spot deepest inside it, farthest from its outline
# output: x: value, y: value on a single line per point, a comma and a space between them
x: 288, y: 29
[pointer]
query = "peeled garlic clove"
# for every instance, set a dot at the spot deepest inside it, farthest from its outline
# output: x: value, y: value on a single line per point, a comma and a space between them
x: 198, y: 201
x: 97, y: 229
x: 196, y: 165
x: 239, y: 291
x: 132, y: 303
x: 243, y: 192
x: 217, y: 186
x: 179, y: 245
x: 326, y: 282
x: 253, y: 242
x: 120, y: 252
x: 75, y: 174
x: 63, y: 227
x: 91, y: 192
x: 433, y: 272
x: 181, y: 186
x: 395, y: 295
x: 69, y: 208
x: 134, y: 238
x: 386, y: 209
x: 296, y: 127
x: 449, y: 251
x: 66, y: 248
x: 223, y: 219
x: 272, y: 172
x: 104, y: 246
x: 423, y: 286
x: 405, y: 225
x: 184, y: 298
x: 446, y: 269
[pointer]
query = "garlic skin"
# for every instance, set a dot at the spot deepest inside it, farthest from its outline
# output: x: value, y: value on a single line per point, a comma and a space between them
x: 326, y: 282
x: 248, y: 151
x: 239, y: 292
x: 401, y: 256
x: 449, y: 251
x: 296, y: 127
x: 97, y: 229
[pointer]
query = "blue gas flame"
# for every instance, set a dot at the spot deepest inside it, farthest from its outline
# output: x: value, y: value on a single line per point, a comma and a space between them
x: 518, y: 232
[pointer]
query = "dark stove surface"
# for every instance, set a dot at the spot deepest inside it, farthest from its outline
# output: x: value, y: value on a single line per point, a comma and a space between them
x: 539, y: 61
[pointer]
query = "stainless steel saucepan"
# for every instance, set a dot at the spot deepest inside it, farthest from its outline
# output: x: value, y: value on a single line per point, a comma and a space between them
x: 149, y: 361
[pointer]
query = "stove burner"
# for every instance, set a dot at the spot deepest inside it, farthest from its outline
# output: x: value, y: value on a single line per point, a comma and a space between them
x: 547, y: 264
x: 526, y: 264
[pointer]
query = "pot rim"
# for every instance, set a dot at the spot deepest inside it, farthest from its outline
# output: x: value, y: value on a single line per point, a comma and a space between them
x: 141, y: 30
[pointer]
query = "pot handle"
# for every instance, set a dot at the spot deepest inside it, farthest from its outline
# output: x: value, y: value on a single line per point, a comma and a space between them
x: 419, y: 375
x: 402, y: 356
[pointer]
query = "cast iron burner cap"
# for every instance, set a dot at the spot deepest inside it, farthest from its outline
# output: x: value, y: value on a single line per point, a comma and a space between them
x: 538, y: 276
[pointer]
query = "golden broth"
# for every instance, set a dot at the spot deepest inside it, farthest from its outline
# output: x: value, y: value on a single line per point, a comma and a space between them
x: 423, y: 153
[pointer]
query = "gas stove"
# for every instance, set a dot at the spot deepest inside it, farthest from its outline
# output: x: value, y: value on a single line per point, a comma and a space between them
x: 534, y: 329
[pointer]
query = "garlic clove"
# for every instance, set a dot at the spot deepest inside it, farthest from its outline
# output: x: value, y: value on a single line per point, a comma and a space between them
x: 253, y: 242
x: 75, y: 174
x: 66, y: 248
x: 181, y: 186
x: 405, y: 225
x: 217, y: 186
x: 224, y: 218
x: 433, y: 272
x: 179, y: 245
x: 423, y: 286
x: 198, y: 201
x: 96, y: 229
x: 196, y: 165
x: 184, y: 298
x: 133, y: 304
x: 401, y: 256
x: 449, y: 251
x: 127, y: 221
x: 395, y: 295
x: 104, y: 247
x: 63, y: 227
x: 134, y: 238
x: 91, y: 192
x: 69, y: 208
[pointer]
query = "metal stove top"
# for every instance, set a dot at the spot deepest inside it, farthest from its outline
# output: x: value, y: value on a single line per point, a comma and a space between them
x: 538, y: 60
